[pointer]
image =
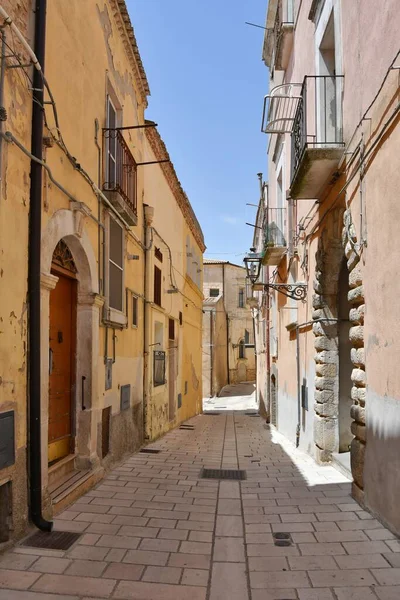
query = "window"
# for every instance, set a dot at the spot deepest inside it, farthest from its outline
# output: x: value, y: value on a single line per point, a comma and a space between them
x: 134, y: 310
x: 241, y: 298
x: 180, y: 318
x: 157, y: 286
x: 242, y: 349
x: 111, y: 146
x: 246, y: 337
x: 158, y: 254
x: 171, y: 329
x: 159, y: 368
x: 116, y: 266
x: 214, y: 292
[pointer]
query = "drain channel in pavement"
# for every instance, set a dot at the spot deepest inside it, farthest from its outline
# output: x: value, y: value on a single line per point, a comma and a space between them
x: 232, y: 474
x: 150, y: 451
x: 55, y: 540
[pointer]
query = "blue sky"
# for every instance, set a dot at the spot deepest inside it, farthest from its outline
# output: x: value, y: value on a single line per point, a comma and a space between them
x: 207, y: 83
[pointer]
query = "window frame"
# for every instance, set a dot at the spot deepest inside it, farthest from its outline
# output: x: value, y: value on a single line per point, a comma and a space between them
x: 134, y: 310
x: 213, y: 295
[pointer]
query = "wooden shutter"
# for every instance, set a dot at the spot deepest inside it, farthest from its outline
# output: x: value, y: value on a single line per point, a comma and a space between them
x: 157, y: 286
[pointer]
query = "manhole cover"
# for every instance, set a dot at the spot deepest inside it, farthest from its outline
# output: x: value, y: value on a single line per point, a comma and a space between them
x: 234, y: 474
x: 282, y: 543
x: 55, y: 540
x: 150, y: 451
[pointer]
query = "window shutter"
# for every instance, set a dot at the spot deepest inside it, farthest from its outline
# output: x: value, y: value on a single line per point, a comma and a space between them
x: 116, y: 266
x: 157, y: 286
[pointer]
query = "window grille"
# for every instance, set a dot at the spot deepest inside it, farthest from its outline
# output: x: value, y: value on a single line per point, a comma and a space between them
x: 159, y: 368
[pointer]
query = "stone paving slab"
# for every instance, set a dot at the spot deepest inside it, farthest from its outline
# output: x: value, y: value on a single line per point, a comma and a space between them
x: 154, y: 530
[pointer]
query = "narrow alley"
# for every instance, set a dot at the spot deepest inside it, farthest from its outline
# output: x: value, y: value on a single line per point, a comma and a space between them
x: 155, y: 529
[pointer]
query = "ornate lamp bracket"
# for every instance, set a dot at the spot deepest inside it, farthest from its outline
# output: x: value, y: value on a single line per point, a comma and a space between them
x: 296, y: 291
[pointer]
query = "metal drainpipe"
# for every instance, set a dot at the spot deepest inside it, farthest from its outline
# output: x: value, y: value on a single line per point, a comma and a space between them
x: 100, y: 225
x: 2, y: 75
x: 34, y: 270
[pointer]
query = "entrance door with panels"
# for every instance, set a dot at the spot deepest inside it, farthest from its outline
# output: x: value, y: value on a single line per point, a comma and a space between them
x: 62, y: 343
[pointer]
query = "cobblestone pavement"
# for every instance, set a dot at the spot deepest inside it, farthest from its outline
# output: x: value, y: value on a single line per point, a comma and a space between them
x: 241, y: 396
x: 154, y: 530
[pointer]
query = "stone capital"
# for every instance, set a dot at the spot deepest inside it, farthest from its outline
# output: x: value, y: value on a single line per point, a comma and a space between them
x: 48, y: 281
x: 91, y: 300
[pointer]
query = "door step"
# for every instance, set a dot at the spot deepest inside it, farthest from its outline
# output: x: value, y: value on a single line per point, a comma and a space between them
x: 341, y: 462
x: 65, y: 490
x: 61, y: 468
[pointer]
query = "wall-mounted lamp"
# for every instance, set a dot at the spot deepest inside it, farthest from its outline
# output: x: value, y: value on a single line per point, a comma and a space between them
x: 296, y: 291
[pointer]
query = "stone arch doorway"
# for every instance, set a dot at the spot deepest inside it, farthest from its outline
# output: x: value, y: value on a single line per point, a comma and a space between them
x: 66, y: 231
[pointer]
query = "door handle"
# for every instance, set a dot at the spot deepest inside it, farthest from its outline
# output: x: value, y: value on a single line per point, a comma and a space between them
x: 50, y: 361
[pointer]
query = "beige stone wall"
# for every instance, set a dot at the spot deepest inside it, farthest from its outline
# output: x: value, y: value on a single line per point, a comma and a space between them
x: 14, y: 210
x: 215, y: 367
x: 229, y: 279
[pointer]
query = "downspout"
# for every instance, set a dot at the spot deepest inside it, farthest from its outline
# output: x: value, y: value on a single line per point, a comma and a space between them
x: 2, y: 75
x: 34, y: 271
x: 148, y: 219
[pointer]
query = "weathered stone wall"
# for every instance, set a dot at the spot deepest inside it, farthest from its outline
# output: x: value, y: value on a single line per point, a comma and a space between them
x: 358, y: 391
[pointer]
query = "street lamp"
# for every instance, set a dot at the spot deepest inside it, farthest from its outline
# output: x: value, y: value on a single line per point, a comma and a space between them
x: 252, y: 261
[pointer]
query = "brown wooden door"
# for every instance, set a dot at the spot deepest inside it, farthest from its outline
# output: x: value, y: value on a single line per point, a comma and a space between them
x: 61, y: 366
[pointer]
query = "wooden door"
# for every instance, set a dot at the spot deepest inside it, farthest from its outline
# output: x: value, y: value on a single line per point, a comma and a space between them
x: 61, y: 366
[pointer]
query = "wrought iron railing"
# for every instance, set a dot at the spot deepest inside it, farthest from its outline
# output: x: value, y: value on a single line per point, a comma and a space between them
x: 318, y: 118
x: 120, y: 168
x: 275, y: 227
x: 284, y: 18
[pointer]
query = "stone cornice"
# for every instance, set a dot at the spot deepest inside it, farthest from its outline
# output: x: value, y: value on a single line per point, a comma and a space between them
x: 160, y: 151
x: 125, y: 28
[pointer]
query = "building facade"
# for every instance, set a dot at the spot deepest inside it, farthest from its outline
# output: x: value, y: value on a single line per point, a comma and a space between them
x: 332, y: 116
x: 111, y: 354
x: 222, y: 278
x: 215, y: 346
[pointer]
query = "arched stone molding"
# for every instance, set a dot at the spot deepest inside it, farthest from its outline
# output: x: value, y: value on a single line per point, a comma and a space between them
x: 69, y: 226
x: 329, y: 257
x: 336, y: 241
x: 358, y: 376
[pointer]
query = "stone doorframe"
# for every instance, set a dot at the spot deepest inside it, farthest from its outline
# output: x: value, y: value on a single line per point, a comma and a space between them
x: 337, y: 240
x: 68, y: 225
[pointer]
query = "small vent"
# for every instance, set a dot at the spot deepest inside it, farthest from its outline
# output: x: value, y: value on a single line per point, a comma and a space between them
x: 233, y: 474
x: 56, y: 540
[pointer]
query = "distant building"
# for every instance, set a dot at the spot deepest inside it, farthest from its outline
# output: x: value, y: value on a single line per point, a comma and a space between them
x: 225, y: 281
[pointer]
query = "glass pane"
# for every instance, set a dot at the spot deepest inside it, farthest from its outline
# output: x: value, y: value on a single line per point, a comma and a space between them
x: 115, y: 287
x: 116, y: 242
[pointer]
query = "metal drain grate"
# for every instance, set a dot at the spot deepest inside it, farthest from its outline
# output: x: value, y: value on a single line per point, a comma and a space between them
x: 187, y: 427
x: 233, y: 474
x: 150, y: 451
x: 56, y: 540
x: 212, y: 414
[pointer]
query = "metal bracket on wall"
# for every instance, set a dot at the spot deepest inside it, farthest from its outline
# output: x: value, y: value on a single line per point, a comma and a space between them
x: 296, y: 291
